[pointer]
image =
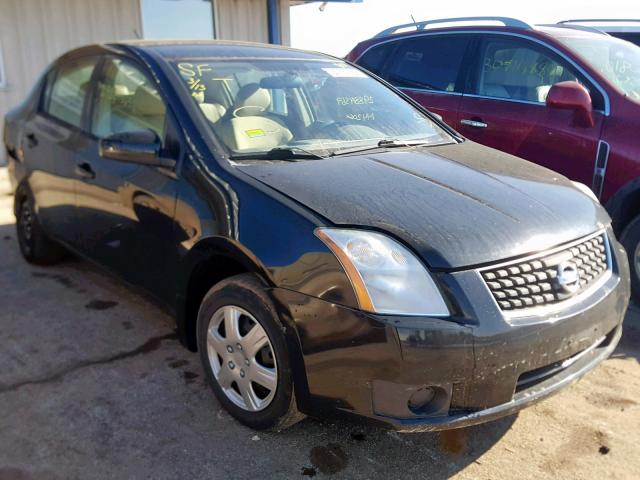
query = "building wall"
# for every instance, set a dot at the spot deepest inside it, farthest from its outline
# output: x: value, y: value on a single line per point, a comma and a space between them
x: 247, y: 20
x: 35, y: 32
x: 242, y: 20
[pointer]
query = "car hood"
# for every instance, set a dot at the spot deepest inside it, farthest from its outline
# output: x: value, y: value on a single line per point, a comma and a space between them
x: 456, y: 205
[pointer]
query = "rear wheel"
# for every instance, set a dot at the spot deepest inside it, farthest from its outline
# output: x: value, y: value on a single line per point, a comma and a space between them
x: 36, y: 247
x: 244, y: 352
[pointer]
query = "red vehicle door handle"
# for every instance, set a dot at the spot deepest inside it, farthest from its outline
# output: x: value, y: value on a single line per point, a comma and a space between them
x: 474, y: 122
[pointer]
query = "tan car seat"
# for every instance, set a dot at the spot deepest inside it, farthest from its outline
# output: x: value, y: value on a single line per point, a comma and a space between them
x: 247, y: 125
x: 213, y: 111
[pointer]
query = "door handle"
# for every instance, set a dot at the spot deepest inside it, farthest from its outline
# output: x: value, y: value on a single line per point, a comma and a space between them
x: 84, y: 170
x: 32, y: 140
x: 474, y: 122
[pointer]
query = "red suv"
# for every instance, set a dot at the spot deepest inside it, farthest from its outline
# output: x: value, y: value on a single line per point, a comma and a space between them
x: 563, y: 96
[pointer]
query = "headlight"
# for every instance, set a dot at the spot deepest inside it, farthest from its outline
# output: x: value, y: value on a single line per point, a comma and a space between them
x: 586, y: 190
x: 386, y: 277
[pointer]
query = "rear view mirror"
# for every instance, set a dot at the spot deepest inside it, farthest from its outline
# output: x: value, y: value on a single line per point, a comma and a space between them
x: 141, y: 147
x: 281, y: 82
x: 572, y: 96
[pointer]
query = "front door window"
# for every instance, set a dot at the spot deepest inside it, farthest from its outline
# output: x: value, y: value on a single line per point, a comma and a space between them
x: 514, y: 70
x: 127, y: 101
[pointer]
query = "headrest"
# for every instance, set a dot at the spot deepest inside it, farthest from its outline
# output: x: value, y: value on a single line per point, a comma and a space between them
x: 251, y: 100
x: 147, y: 103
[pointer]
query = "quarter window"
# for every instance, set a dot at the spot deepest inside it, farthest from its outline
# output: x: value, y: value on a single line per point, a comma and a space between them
x: 126, y: 101
x: 512, y: 69
x: 69, y: 89
x: 429, y: 62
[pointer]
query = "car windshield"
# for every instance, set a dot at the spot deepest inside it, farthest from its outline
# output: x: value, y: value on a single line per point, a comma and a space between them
x: 311, y: 107
x: 617, y: 60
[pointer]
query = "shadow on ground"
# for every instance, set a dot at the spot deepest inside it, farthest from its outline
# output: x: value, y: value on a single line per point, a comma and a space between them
x: 629, y: 346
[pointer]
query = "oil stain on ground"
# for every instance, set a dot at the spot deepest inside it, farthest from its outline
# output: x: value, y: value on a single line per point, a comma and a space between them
x: 454, y: 441
x: 308, y: 472
x: 328, y: 459
x: 100, y: 305
x: 189, y: 377
x: 7, y: 473
x: 178, y: 363
x: 61, y: 279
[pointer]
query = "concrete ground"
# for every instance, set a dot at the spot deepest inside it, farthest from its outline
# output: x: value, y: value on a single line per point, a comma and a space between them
x: 94, y: 385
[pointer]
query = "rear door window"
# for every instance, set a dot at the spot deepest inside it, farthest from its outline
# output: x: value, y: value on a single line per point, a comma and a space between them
x: 67, y: 94
x: 375, y: 58
x: 429, y: 63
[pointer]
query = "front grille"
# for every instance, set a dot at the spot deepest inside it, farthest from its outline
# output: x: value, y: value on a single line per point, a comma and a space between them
x: 549, y: 278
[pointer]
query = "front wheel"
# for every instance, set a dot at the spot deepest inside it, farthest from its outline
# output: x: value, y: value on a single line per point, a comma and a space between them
x: 245, y: 355
x: 630, y: 239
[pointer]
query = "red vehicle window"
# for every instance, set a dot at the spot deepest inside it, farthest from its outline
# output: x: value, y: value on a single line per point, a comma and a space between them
x: 429, y: 62
x: 515, y: 69
x: 375, y: 58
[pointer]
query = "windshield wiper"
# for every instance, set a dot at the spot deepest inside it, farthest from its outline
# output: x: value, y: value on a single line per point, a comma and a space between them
x: 384, y: 143
x: 287, y: 154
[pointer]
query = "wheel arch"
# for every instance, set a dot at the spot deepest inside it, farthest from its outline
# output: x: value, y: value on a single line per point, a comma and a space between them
x: 212, y: 260
x: 208, y: 262
x: 624, y: 205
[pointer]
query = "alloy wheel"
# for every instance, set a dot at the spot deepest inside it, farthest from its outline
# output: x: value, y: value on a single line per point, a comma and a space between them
x: 242, y: 358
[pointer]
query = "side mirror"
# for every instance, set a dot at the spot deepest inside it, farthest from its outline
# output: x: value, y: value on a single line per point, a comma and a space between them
x: 141, y: 147
x: 572, y: 96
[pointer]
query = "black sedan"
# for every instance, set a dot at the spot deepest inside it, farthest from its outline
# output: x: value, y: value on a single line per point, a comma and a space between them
x: 328, y: 246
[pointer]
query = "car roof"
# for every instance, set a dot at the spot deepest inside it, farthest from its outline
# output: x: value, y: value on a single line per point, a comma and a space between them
x: 552, y: 30
x: 171, y: 49
x: 613, y: 25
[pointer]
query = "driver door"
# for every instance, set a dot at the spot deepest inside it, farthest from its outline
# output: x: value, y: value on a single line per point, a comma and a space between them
x: 126, y: 209
x: 505, y: 107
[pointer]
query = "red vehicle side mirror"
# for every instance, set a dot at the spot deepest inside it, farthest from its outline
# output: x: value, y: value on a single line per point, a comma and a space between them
x: 572, y: 96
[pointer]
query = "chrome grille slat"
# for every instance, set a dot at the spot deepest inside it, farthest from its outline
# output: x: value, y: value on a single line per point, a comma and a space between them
x: 533, y: 282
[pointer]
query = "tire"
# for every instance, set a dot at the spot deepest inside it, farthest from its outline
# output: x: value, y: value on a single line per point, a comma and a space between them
x: 36, y: 247
x: 242, y: 301
x: 630, y: 239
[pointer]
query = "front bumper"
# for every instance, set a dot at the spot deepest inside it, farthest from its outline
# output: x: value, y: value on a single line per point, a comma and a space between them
x: 585, y: 362
x: 482, y: 366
